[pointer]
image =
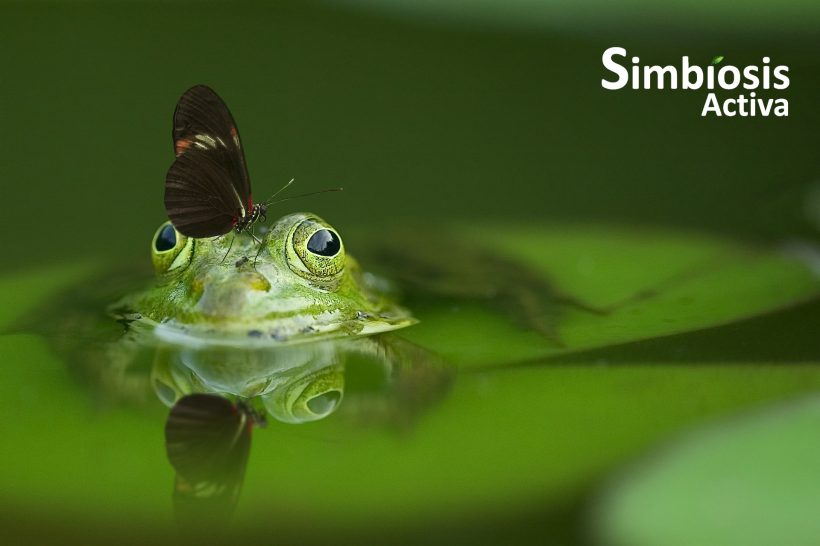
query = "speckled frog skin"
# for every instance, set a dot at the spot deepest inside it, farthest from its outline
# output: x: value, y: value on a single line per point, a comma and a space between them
x: 299, y: 285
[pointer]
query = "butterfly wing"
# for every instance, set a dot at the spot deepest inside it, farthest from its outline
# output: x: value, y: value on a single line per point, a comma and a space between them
x: 207, y: 440
x: 203, y: 125
x: 200, y: 198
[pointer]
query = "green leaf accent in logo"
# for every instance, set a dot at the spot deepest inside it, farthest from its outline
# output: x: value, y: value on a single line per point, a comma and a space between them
x: 717, y: 59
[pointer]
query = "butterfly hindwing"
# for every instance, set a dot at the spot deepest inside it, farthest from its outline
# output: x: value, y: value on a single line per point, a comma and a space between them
x: 199, y: 197
x: 207, y: 439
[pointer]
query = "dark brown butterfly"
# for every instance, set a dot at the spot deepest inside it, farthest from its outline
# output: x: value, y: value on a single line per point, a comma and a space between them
x: 207, y: 189
x: 208, y: 440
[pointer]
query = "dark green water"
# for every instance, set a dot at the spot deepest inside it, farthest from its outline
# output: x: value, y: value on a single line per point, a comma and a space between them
x: 422, y: 122
x: 415, y: 121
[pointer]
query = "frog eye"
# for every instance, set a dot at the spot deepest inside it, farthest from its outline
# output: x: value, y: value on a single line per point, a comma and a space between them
x: 316, y: 252
x: 170, y: 249
x: 324, y: 243
x: 166, y: 238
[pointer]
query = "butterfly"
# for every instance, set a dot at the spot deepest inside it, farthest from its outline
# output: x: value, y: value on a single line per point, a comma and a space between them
x: 207, y: 188
x: 207, y: 441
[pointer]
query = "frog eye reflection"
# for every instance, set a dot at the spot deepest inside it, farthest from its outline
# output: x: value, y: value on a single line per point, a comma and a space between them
x: 324, y: 404
x: 170, y: 249
x: 316, y: 252
x: 309, y: 397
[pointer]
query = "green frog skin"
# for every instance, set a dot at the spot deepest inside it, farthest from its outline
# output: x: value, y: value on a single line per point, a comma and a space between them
x: 299, y: 285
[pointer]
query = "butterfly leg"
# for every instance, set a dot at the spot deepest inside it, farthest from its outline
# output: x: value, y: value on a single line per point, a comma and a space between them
x: 230, y: 246
x: 259, y: 250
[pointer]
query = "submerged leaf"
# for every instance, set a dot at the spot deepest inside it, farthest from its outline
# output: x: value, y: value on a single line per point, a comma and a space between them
x: 750, y: 481
x: 647, y: 284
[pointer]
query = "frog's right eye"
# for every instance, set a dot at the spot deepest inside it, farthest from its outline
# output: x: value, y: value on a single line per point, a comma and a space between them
x: 170, y: 249
x: 166, y: 238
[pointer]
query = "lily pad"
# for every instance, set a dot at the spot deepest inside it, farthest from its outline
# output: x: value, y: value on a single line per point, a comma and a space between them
x: 749, y: 481
x: 649, y: 283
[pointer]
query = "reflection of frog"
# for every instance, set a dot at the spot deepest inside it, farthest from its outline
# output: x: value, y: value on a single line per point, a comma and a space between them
x: 389, y: 380
x: 384, y: 381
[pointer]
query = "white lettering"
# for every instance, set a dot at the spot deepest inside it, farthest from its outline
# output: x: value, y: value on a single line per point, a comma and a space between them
x: 711, y: 105
x: 612, y: 66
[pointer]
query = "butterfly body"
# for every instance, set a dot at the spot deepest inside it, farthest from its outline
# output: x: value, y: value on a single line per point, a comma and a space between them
x: 257, y: 213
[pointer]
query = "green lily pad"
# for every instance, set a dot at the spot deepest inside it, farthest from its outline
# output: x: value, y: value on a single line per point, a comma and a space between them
x: 746, y: 482
x: 652, y: 284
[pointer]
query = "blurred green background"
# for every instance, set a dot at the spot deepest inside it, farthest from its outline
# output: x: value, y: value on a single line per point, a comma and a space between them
x: 485, y: 112
x: 420, y: 110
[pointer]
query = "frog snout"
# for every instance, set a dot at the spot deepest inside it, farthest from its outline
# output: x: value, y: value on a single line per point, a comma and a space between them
x: 247, y: 281
x: 230, y: 297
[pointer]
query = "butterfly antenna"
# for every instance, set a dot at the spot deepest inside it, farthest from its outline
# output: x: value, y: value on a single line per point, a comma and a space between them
x: 280, y: 190
x: 303, y: 195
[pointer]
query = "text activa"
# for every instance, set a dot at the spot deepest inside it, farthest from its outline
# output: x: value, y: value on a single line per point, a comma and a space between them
x: 743, y: 107
x: 711, y: 77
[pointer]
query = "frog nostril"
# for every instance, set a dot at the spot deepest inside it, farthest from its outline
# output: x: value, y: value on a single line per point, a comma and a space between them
x: 257, y: 281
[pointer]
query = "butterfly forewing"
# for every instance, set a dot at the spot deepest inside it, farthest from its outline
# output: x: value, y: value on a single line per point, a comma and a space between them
x: 206, y: 200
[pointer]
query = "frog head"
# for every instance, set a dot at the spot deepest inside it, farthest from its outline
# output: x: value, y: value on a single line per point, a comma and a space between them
x: 295, y: 283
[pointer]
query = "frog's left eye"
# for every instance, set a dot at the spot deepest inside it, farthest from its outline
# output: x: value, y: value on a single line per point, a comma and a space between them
x: 316, y: 252
x: 170, y: 249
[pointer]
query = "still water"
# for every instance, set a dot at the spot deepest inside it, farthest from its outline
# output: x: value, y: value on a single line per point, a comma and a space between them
x: 592, y: 274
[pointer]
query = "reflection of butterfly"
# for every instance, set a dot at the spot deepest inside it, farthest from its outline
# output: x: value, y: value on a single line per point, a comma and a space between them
x: 207, y: 189
x: 208, y: 439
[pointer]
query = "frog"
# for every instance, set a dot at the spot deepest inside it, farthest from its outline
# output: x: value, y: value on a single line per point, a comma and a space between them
x: 296, y: 285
